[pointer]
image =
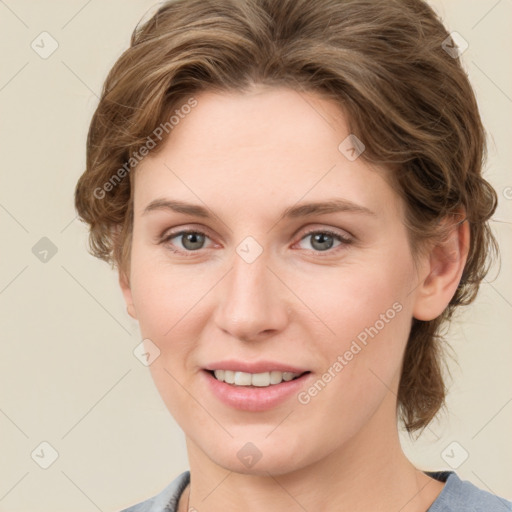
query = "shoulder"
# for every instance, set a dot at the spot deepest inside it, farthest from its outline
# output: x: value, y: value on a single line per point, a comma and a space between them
x: 166, y: 500
x: 461, y: 495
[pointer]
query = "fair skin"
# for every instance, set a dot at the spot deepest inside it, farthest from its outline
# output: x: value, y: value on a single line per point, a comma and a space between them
x: 246, y: 158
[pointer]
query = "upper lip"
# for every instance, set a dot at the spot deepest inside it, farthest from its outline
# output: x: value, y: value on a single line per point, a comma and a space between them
x: 254, y: 367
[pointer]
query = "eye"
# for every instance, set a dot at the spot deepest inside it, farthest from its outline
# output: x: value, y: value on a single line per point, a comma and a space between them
x: 190, y: 241
x: 323, y: 240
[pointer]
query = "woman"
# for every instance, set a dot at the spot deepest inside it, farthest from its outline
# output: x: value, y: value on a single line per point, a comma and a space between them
x: 292, y: 193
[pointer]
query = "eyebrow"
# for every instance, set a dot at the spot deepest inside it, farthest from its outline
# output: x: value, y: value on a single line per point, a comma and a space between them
x: 300, y: 210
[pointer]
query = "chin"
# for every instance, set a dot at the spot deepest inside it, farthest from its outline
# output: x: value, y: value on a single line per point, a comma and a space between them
x: 273, y: 465
x: 260, y: 457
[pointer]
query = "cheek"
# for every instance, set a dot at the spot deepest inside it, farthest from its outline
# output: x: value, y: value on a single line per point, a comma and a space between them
x: 362, y: 364
x: 167, y: 303
x: 163, y: 294
x: 359, y: 302
x: 368, y: 311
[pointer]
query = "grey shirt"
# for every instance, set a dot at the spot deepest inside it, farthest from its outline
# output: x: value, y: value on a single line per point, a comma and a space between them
x: 457, y: 496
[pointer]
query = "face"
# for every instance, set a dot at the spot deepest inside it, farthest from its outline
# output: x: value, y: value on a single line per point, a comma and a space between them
x: 263, y: 283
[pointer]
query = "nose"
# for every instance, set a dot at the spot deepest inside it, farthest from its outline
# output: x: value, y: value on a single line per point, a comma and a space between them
x: 253, y: 303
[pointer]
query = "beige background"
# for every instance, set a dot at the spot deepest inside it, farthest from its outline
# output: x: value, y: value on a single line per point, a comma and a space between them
x: 68, y: 374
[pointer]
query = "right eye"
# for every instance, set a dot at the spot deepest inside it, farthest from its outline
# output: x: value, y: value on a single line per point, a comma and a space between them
x: 191, y: 241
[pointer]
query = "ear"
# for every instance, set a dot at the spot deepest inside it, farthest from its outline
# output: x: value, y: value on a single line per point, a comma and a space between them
x: 124, y: 283
x: 444, y: 267
x: 124, y: 278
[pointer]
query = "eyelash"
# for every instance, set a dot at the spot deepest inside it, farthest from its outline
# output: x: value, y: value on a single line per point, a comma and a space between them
x: 343, y: 239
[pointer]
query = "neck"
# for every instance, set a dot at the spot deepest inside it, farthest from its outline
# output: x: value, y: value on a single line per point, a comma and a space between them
x: 368, y: 472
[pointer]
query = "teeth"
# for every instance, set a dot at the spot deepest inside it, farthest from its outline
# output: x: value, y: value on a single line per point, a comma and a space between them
x: 254, y: 379
x: 243, y: 379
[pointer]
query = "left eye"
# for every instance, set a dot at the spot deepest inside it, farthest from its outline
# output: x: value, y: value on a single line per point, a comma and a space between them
x: 322, y: 241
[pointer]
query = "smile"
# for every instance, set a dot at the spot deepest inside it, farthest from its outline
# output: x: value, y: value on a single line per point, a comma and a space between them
x: 264, y: 379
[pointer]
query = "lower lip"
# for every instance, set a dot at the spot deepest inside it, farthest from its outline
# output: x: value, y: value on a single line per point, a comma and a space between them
x: 255, y: 399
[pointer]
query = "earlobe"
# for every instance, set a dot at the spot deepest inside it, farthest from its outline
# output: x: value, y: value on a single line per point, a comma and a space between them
x: 124, y: 283
x: 444, y: 271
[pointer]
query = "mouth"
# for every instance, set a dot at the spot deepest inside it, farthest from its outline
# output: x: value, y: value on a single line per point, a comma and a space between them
x: 254, y: 380
x: 261, y: 387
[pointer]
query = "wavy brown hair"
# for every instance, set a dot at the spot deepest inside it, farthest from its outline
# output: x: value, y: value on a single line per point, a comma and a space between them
x: 382, y: 61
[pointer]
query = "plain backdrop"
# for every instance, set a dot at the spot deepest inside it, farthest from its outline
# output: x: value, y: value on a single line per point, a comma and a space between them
x: 69, y: 378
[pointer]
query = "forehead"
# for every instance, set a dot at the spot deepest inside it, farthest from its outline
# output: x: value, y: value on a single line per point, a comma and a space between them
x: 269, y: 145
x: 267, y: 118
